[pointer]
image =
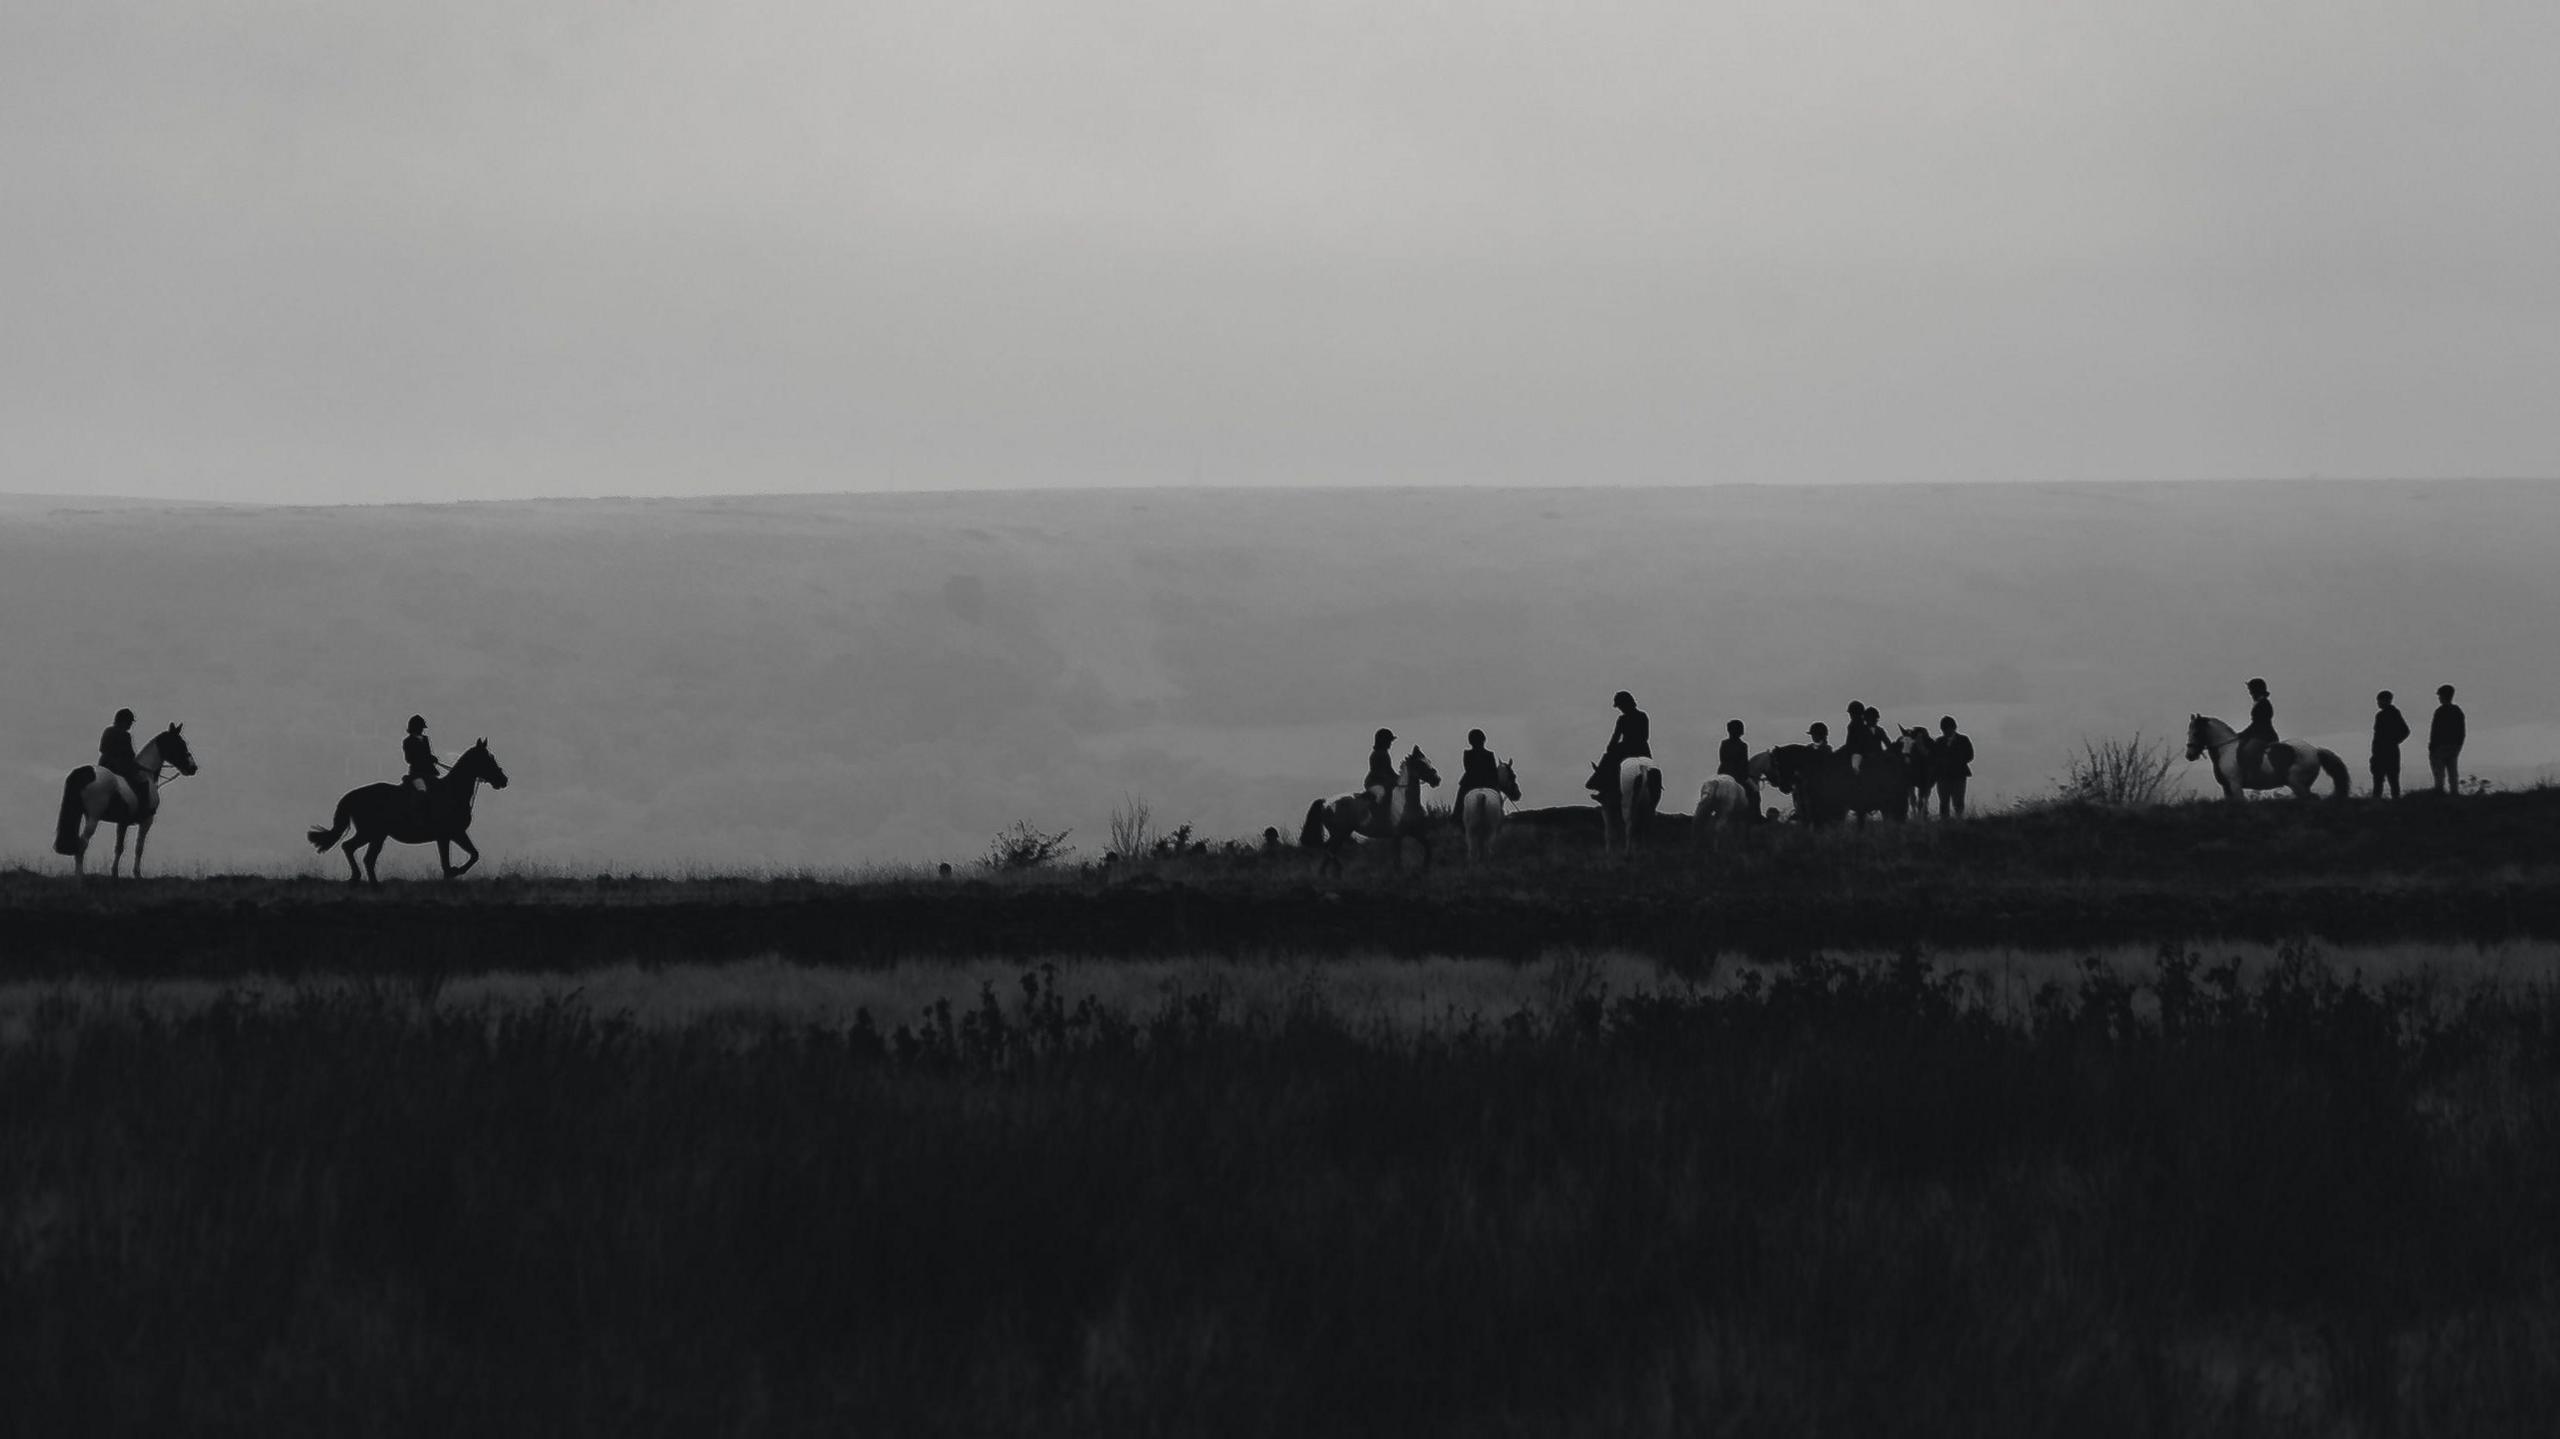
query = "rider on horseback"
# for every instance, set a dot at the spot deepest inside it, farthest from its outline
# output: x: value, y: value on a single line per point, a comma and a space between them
x: 2261, y: 731
x: 1631, y: 739
x: 1478, y: 769
x: 1382, y: 775
x: 115, y: 754
x: 1820, y: 734
x: 423, y: 764
x: 1733, y: 758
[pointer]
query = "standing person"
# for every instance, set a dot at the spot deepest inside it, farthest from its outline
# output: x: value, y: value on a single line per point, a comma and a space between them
x: 1733, y: 758
x: 115, y: 755
x: 1859, y: 740
x: 2389, y: 729
x: 2261, y: 731
x: 1820, y: 734
x: 1382, y: 774
x: 1954, y: 766
x: 1630, y: 738
x: 2444, y: 742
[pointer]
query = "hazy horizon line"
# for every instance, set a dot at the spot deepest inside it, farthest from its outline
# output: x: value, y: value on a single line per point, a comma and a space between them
x: 1215, y: 487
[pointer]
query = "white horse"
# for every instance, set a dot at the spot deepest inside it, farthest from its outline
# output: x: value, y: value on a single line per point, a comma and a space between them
x: 1639, y: 794
x: 1723, y: 802
x: 1332, y: 822
x: 91, y: 794
x: 1480, y: 813
x: 2285, y: 764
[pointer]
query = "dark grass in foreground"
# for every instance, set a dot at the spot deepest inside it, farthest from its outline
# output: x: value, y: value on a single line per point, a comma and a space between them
x: 1848, y: 1201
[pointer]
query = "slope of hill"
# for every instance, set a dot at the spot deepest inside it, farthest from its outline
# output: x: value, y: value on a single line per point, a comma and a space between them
x: 824, y: 681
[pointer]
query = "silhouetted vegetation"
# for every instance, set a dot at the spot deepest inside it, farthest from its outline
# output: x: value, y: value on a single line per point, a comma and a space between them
x: 2130, y: 770
x: 1837, y: 1199
x: 1024, y: 845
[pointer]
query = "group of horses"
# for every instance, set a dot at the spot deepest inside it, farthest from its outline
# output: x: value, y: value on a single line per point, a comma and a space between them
x: 1826, y: 786
x: 378, y: 814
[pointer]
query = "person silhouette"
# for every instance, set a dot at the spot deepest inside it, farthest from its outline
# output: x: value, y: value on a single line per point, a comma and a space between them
x: 1820, y: 734
x: 1382, y: 774
x: 2260, y: 733
x: 2389, y: 729
x: 1733, y: 759
x: 1630, y: 738
x: 421, y: 757
x: 1952, y: 767
x: 2445, y: 734
x: 115, y: 754
x: 1859, y: 740
x: 1478, y: 769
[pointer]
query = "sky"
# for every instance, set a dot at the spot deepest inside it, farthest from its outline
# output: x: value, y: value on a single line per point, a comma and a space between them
x: 267, y: 251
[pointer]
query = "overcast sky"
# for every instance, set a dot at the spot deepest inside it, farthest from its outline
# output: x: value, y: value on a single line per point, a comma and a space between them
x: 261, y: 250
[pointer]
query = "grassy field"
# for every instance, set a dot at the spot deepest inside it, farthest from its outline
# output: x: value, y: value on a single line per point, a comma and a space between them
x: 1409, y: 1154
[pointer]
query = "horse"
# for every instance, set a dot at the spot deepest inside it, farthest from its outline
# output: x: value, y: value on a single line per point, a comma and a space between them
x: 384, y: 812
x: 1920, y: 759
x: 91, y: 794
x: 1480, y: 813
x: 1826, y: 787
x: 2285, y: 764
x: 1639, y: 795
x: 1331, y: 823
x: 1723, y: 802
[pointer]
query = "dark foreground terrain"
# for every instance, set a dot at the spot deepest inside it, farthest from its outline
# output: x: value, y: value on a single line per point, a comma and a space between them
x: 1813, y: 1198
x: 2480, y: 869
x: 1851, y: 1201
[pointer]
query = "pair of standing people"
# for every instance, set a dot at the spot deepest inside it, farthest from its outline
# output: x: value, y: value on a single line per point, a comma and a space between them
x: 2445, y: 733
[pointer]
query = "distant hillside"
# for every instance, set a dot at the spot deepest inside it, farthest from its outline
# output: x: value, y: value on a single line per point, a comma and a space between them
x: 835, y: 680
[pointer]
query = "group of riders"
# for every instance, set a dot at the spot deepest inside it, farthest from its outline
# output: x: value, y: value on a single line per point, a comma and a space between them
x: 1631, y: 737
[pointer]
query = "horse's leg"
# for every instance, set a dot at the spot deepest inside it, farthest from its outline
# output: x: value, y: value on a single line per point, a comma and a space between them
x: 117, y: 866
x: 355, y: 872
x: 141, y: 837
x: 444, y: 856
x: 372, y: 856
x: 80, y: 856
x: 468, y: 848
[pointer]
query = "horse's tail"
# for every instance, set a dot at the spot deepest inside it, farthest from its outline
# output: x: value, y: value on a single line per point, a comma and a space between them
x: 1311, y: 835
x: 1653, y: 786
x: 66, y: 829
x: 2336, y: 769
x: 320, y: 838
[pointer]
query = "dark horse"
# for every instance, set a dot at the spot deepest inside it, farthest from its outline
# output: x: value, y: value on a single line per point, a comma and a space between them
x: 385, y: 812
x: 1826, y: 789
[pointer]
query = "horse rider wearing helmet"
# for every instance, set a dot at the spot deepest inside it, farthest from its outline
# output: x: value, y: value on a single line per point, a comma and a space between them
x: 1480, y: 769
x: 1820, y: 734
x: 1631, y: 738
x: 421, y: 756
x: 1382, y: 775
x: 2260, y: 733
x: 115, y: 754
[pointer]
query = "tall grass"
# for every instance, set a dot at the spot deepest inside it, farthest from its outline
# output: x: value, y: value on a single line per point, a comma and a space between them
x: 1836, y: 1198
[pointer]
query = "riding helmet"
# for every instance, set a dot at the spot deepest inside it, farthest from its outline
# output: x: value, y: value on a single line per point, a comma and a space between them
x: 1819, y: 730
x: 124, y: 716
x: 1475, y: 736
x: 1733, y: 727
x: 2257, y: 686
x: 417, y: 723
x: 1385, y: 736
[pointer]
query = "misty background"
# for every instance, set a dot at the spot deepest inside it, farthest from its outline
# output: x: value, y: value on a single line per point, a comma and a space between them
x: 831, y: 681
x: 275, y: 251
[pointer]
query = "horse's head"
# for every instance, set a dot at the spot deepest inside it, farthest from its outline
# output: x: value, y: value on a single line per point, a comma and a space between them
x: 478, y: 764
x: 172, y: 746
x: 1507, y: 782
x: 1779, y: 766
x: 2196, y: 737
x: 1418, y: 768
x: 1916, y: 742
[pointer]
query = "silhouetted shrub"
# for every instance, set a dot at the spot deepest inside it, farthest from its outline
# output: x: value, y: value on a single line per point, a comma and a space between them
x: 1026, y: 846
x: 2127, y: 771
